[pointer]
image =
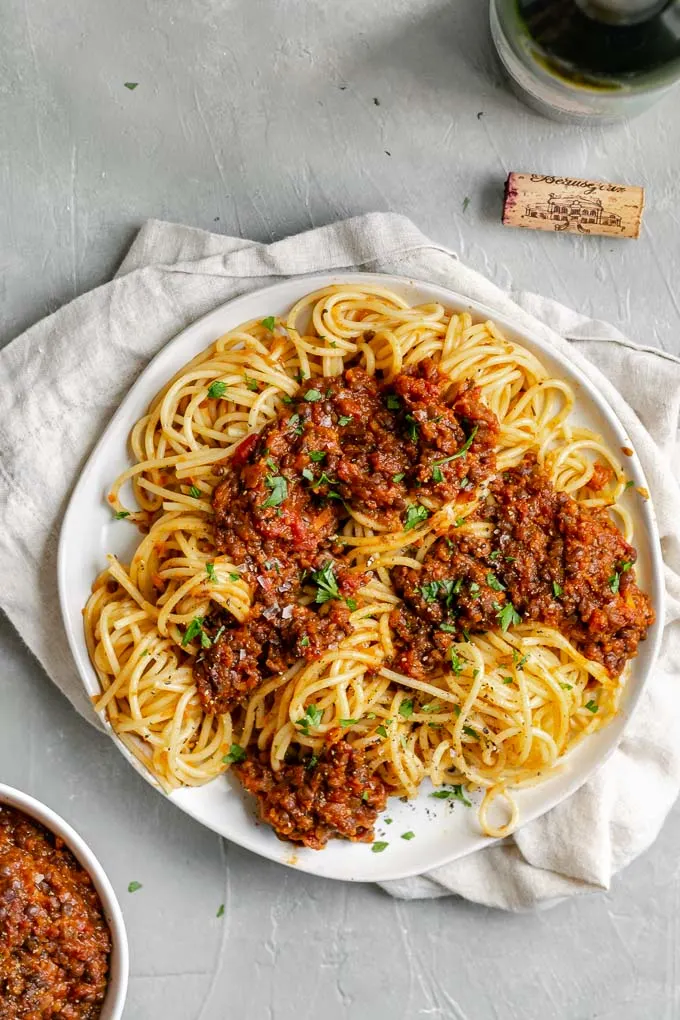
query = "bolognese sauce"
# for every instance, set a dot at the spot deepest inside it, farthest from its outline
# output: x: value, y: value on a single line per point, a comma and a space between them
x: 54, y: 942
x: 380, y: 448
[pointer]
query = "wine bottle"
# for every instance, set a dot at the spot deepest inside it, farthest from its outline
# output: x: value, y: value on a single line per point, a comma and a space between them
x: 601, y: 59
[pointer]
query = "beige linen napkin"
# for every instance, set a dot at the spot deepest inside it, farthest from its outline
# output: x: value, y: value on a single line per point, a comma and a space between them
x: 62, y: 380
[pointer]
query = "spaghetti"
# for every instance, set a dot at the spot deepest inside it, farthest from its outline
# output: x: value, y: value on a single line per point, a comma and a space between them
x: 404, y: 639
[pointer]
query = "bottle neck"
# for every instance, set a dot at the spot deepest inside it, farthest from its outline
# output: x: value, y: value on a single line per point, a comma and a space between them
x: 621, y: 12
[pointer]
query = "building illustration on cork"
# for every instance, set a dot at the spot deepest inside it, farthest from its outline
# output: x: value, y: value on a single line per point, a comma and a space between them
x: 573, y: 212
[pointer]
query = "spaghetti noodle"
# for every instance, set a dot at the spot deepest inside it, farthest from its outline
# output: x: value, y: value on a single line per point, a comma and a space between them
x: 422, y: 673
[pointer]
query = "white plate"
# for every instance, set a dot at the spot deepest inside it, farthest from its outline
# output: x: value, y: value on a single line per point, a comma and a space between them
x: 443, y: 830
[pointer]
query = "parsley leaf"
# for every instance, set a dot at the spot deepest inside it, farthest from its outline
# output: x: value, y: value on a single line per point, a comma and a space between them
x: 304, y: 641
x: 494, y: 583
x: 629, y: 484
x: 295, y: 423
x: 448, y: 628
x: 233, y: 576
x: 269, y: 322
x: 455, y: 793
x: 279, y: 490
x: 220, y: 910
x: 557, y: 589
x: 326, y: 582
x: 378, y: 847
x: 132, y: 85
x: 408, y: 835
x: 134, y: 886
x: 381, y: 730
x: 468, y: 730
x: 252, y: 384
x: 592, y: 706
x: 195, y: 629
x: 308, y: 474
x: 236, y: 754
x: 217, y: 389
x: 433, y: 706
x: 412, y: 428
x: 351, y: 604
x: 344, y: 419
x: 463, y: 450
x: 457, y: 664
x: 416, y: 513
x: 625, y: 566
x: 399, y: 477
x: 317, y: 455
x: 494, y: 555
x: 508, y: 616
x: 567, y: 687
x: 520, y: 663
x: 406, y: 708
x: 392, y: 402
x: 348, y: 722
x: 311, y: 718
x: 313, y: 395
x: 614, y: 582
x: 437, y: 475
x: 210, y: 571
x: 429, y: 590
x: 506, y: 679
x: 120, y: 515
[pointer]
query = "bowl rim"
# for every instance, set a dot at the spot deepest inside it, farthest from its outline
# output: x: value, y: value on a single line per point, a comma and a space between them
x: 116, y: 990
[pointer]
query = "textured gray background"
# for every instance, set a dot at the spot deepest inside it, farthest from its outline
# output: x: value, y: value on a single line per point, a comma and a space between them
x: 259, y: 117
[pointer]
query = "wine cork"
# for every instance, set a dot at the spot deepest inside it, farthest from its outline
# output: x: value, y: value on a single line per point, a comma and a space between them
x: 546, y: 202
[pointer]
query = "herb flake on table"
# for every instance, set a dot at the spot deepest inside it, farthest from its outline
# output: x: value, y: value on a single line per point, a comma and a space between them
x: 134, y: 886
x: 378, y: 847
x: 220, y: 910
x: 131, y: 85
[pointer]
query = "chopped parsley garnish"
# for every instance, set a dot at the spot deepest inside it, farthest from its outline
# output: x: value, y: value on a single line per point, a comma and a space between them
x: 455, y: 793
x: 304, y: 641
x: 134, y: 886
x: 408, y: 835
x: 233, y: 576
x: 313, y: 395
x: 399, y: 477
x: 429, y: 591
x: 296, y: 424
x: 412, y: 428
x: 415, y: 515
x: 437, y: 475
x: 220, y: 910
x: 392, y: 403
x: 406, y: 708
x: 567, y: 687
x: 378, y: 847
x: 614, y: 582
x: 448, y: 628
x: 458, y: 521
x: 251, y: 383
x: 519, y: 663
x: 195, y: 629
x: 312, y: 762
x: 629, y: 484
x: 351, y: 604
x: 592, y: 706
x: 326, y: 582
x: 325, y: 480
x: 210, y: 571
x: 508, y: 616
x: 348, y: 722
x: 381, y: 730
x: 432, y: 706
x: 217, y: 389
x: 279, y: 490
x: 457, y: 664
x: 317, y: 455
x: 310, y: 720
x: 463, y: 450
x: 494, y: 583
x: 474, y: 589
x: 308, y: 474
x: 195, y: 492
x: 132, y: 85
x: 557, y: 589
x: 120, y: 515
x: 464, y: 482
x: 344, y: 419
x: 269, y: 322
x: 506, y: 679
x: 236, y: 754
x: 286, y: 399
x: 468, y: 730
x: 494, y: 555
x: 625, y: 566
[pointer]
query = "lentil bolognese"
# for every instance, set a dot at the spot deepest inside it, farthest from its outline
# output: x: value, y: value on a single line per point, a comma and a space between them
x: 375, y: 550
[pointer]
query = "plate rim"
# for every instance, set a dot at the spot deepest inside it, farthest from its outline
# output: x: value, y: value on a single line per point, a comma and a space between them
x: 480, y: 312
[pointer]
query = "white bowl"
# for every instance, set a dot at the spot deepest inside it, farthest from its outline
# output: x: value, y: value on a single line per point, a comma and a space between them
x: 112, y: 1008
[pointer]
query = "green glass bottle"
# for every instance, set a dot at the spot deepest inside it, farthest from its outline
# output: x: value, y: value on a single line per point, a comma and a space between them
x: 598, y: 59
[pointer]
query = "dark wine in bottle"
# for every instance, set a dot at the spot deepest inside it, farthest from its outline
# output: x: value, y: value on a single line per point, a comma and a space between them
x: 591, y: 58
x: 604, y: 43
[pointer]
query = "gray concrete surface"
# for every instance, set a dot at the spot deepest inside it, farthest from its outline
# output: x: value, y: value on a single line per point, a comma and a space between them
x: 264, y: 117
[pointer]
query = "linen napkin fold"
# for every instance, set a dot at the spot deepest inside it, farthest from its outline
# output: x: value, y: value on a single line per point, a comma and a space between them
x: 64, y: 377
